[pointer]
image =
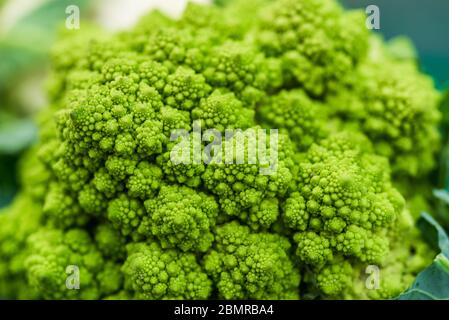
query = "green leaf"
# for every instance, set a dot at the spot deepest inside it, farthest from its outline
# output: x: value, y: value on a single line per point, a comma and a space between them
x: 433, y: 282
x: 435, y: 233
x: 442, y: 209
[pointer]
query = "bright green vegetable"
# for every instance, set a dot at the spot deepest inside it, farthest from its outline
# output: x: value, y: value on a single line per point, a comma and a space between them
x: 394, y: 105
x: 103, y: 189
x: 251, y: 265
x: 154, y: 273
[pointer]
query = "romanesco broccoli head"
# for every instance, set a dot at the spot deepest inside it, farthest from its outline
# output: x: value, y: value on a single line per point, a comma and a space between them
x: 148, y: 182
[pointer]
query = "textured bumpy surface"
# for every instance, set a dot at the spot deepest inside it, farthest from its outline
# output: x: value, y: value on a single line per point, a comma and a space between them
x: 102, y: 190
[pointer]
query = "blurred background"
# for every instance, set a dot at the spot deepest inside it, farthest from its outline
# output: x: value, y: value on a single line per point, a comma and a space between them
x: 29, y: 28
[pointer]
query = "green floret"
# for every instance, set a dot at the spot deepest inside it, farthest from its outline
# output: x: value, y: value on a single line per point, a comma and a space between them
x: 125, y: 213
x: 107, y: 120
x: 218, y: 25
x: 106, y: 184
x: 34, y: 175
x: 121, y: 167
x: 56, y: 256
x: 150, y: 138
x: 145, y: 181
x: 137, y: 38
x: 110, y: 279
x: 91, y: 200
x: 74, y: 176
x: 222, y: 111
x: 67, y: 55
x: 200, y: 18
x: 335, y: 278
x: 300, y: 117
x: 154, y: 273
x: 251, y: 265
x: 17, y: 222
x: 295, y: 213
x: 240, y: 17
x: 242, y: 187
x: 174, y: 119
x: 185, y: 88
x: 314, y: 39
x: 61, y: 208
x: 345, y: 205
x: 110, y: 242
x: 175, y: 47
x: 180, y: 217
x: 408, y: 255
x: 313, y: 249
x: 239, y: 68
x: 181, y: 168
